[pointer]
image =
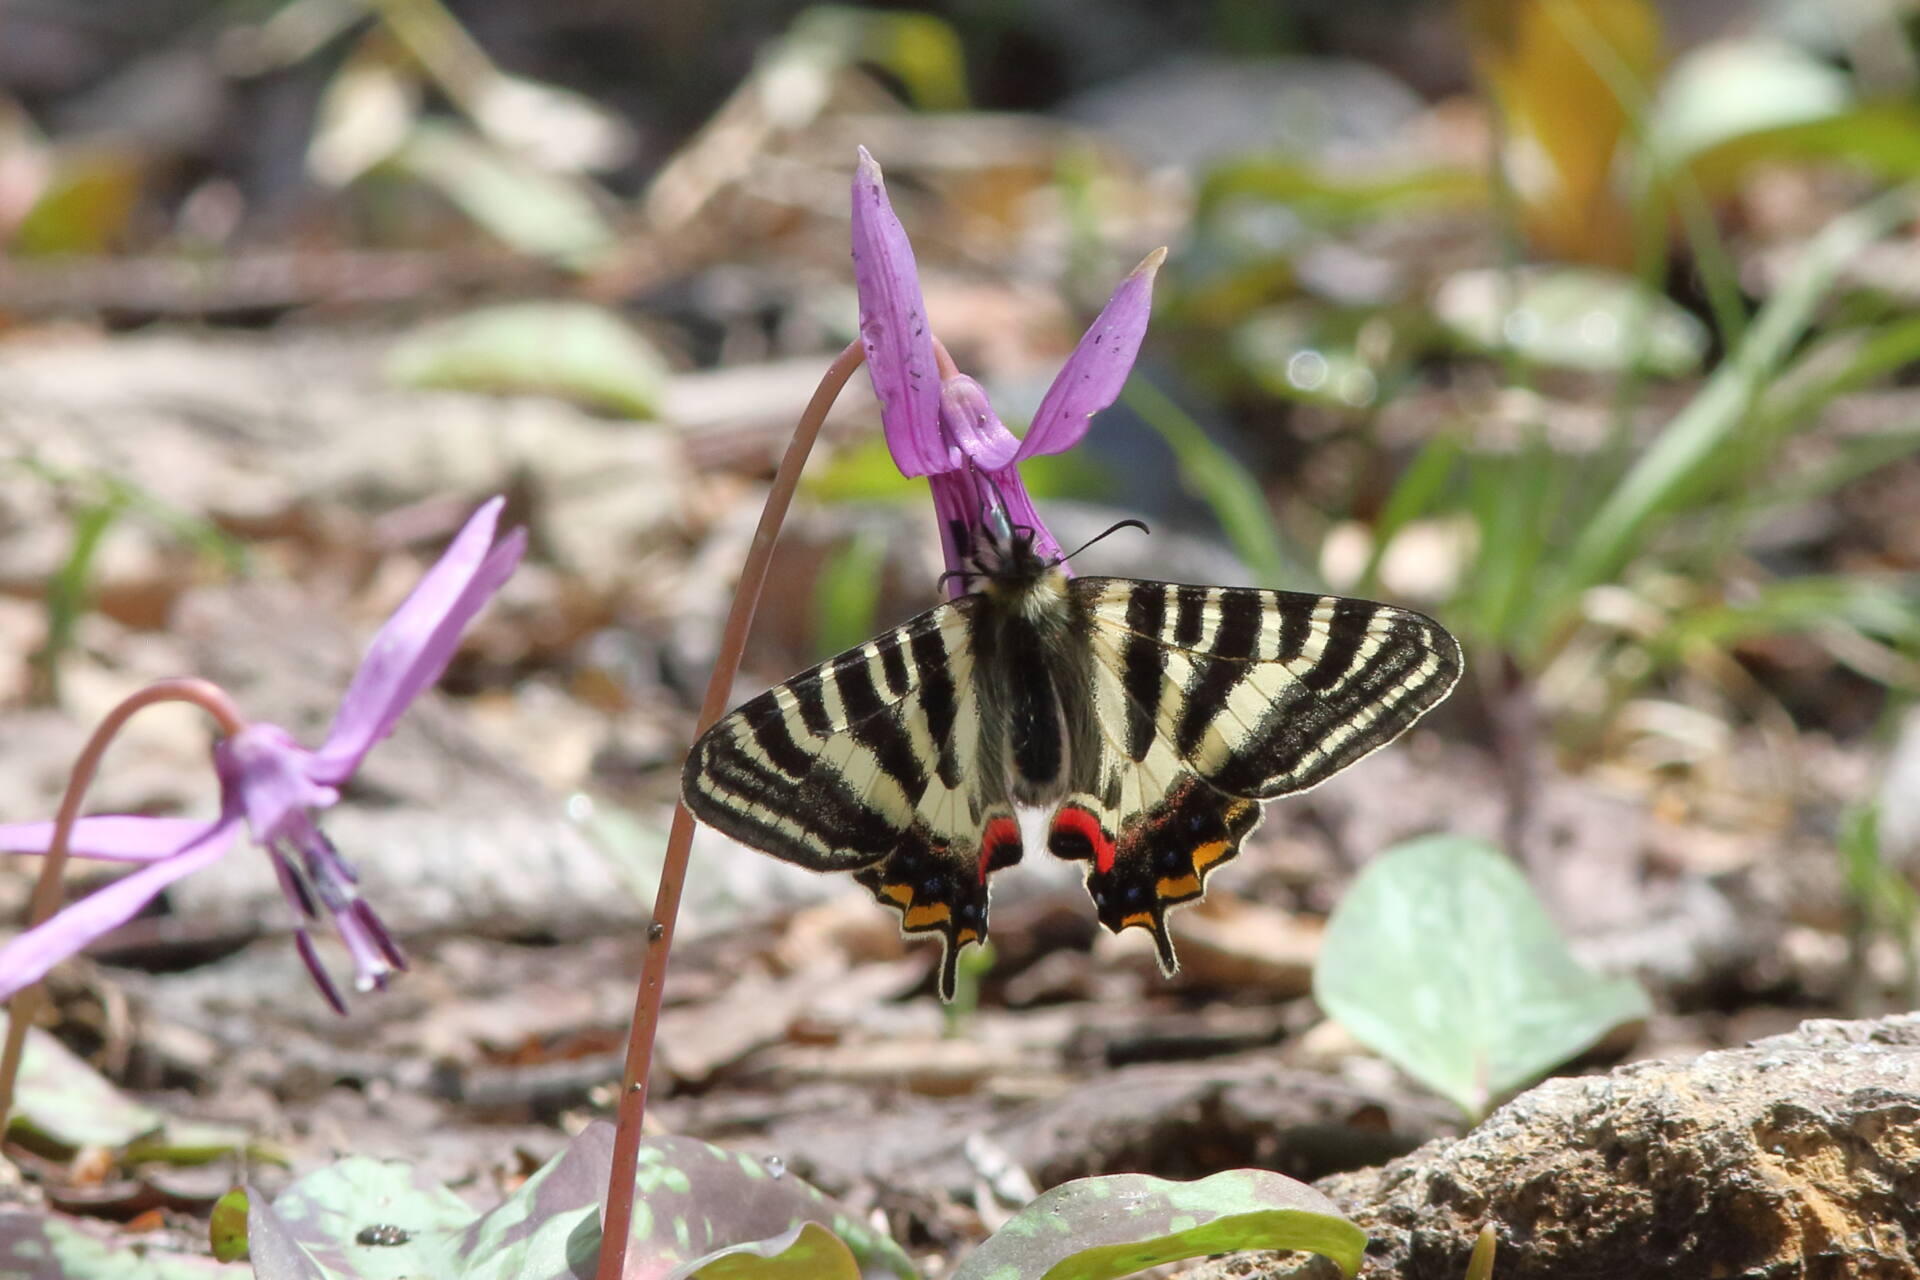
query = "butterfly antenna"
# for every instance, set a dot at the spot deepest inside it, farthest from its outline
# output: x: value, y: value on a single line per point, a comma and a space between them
x: 1116, y: 527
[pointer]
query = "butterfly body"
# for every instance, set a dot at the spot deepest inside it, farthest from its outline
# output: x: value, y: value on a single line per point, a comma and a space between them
x: 1148, y: 719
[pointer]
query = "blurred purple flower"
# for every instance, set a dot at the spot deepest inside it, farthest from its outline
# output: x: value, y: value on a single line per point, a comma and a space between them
x: 947, y: 431
x: 277, y: 786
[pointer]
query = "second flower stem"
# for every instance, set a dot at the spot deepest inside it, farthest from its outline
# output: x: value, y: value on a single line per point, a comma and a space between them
x: 25, y: 1005
x: 617, y: 1222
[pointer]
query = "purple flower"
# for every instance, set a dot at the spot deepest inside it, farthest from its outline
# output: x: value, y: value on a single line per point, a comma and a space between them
x: 276, y: 786
x: 946, y: 430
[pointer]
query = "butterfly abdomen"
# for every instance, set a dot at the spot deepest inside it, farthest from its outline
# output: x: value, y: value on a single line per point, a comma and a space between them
x: 1030, y: 635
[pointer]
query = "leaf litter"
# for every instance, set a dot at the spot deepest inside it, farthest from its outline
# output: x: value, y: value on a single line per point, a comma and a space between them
x: 514, y: 821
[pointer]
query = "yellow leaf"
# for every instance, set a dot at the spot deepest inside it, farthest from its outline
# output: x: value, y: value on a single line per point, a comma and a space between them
x: 86, y: 205
x: 1556, y: 70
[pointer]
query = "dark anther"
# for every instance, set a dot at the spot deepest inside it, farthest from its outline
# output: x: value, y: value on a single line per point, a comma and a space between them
x: 378, y: 932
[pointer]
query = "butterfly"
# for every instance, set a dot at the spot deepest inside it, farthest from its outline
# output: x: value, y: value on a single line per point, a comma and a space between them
x: 1149, y: 719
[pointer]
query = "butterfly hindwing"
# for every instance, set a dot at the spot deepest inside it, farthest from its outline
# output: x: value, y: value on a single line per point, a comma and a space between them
x: 1210, y: 699
x: 1143, y: 861
x: 874, y: 763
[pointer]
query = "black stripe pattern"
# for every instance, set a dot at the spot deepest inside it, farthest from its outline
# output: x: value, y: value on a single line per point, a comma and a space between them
x: 1155, y: 716
x: 1144, y: 664
x: 778, y: 773
x: 1279, y: 689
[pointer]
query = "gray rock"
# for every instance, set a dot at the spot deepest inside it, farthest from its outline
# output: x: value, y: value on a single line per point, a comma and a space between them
x: 1797, y: 1156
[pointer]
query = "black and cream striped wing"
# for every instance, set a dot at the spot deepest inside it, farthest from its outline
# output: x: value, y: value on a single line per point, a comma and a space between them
x: 876, y: 763
x: 1265, y: 693
x: 1207, y: 700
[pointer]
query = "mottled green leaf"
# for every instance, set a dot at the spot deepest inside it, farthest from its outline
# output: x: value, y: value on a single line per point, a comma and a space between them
x: 1571, y: 318
x: 1441, y: 959
x: 698, y: 1198
x: 696, y: 1204
x: 574, y: 350
x: 35, y: 1245
x: 1100, y: 1228
x: 358, y: 1217
x: 1882, y: 138
x: 807, y: 1252
x: 61, y: 1098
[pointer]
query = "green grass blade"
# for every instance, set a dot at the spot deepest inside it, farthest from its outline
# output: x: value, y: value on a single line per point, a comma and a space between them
x: 1414, y: 495
x: 1686, y: 453
x: 846, y: 597
x: 1855, y: 459
x: 1223, y: 484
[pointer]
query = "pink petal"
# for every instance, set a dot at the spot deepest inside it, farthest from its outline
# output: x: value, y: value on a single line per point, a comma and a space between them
x: 893, y: 328
x: 413, y: 648
x: 960, y: 500
x: 1093, y: 375
x: 271, y: 777
x: 111, y: 838
x: 971, y: 424
x: 958, y: 512
x: 26, y: 959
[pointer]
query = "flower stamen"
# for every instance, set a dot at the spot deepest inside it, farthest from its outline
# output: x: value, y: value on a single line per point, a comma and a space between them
x: 303, y: 943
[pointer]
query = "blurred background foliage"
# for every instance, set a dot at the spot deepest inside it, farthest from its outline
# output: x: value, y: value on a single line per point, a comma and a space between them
x: 1584, y: 324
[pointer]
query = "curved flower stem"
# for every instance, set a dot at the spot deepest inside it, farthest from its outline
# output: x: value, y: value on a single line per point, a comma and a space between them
x: 617, y: 1222
x: 25, y: 1005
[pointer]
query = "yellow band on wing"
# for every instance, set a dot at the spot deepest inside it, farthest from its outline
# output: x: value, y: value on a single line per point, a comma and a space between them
x: 925, y: 917
x: 1209, y: 853
x: 1178, y: 889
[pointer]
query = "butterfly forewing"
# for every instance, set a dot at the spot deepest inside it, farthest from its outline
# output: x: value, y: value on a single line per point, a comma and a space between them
x: 875, y: 762
x: 1267, y: 692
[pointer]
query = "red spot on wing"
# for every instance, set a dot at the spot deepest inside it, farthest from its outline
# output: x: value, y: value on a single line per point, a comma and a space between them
x: 1001, y: 832
x: 1077, y: 820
